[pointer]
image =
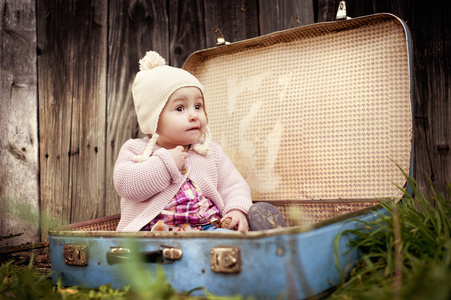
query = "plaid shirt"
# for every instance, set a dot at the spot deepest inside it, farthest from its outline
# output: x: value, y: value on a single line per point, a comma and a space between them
x: 188, y: 206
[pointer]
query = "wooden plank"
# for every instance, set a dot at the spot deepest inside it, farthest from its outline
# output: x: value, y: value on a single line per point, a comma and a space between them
x: 19, y: 183
x: 22, y: 248
x: 186, y: 29
x: 326, y: 10
x: 87, y: 169
x: 278, y: 15
x: 134, y: 28
x: 430, y: 28
x: 72, y: 108
x: 237, y: 20
x: 54, y: 85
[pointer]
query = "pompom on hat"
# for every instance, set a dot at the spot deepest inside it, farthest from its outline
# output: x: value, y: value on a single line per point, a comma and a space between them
x: 153, y: 85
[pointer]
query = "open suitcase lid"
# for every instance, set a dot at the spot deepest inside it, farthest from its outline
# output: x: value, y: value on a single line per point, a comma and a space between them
x: 319, y: 112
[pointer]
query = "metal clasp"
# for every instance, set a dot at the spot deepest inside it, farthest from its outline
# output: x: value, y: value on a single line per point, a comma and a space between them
x: 119, y: 250
x: 171, y: 253
x: 75, y: 255
x: 341, y: 13
x: 220, y: 40
x: 225, y: 260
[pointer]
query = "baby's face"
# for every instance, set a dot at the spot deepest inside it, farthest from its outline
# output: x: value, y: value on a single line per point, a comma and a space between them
x: 182, y: 121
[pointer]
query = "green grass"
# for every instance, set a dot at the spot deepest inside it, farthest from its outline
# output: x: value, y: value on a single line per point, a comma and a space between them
x: 24, y: 283
x: 406, y: 254
x: 27, y: 283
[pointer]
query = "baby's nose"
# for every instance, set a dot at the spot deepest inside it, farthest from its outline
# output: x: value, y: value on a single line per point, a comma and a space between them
x: 194, y: 115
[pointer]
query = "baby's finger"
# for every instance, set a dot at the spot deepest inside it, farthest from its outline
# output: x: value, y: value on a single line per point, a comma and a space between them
x: 233, y: 223
x: 243, y: 227
x: 179, y: 148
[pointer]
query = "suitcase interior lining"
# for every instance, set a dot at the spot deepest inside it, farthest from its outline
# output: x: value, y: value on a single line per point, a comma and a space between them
x: 315, y: 112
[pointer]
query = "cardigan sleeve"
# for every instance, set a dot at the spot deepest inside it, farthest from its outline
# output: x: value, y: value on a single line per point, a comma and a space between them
x: 141, y: 181
x: 233, y: 188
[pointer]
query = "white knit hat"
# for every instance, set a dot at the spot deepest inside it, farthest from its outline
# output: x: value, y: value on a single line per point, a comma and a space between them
x: 153, y: 85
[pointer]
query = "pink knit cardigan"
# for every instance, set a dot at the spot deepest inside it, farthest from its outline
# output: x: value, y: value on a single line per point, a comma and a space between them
x: 146, y: 188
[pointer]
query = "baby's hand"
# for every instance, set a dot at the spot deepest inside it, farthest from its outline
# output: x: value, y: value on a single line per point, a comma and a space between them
x: 179, y: 156
x: 237, y: 217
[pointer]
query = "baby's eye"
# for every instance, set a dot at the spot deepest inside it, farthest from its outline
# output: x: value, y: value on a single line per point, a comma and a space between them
x: 198, y: 106
x: 179, y: 108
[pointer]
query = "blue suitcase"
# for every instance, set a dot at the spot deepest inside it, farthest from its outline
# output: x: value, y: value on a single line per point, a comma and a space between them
x: 317, y: 119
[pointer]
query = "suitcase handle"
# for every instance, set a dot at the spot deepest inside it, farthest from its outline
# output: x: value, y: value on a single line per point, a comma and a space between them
x: 164, y: 255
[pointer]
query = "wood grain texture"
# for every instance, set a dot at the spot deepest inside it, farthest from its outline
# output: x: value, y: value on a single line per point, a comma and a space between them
x: 237, y: 20
x: 19, y: 182
x: 87, y: 169
x: 278, y: 15
x: 431, y: 32
x: 325, y: 10
x: 135, y: 27
x: 186, y: 29
x: 72, y: 108
x: 55, y: 88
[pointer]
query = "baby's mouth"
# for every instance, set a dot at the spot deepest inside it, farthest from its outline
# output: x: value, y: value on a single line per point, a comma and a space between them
x: 193, y: 128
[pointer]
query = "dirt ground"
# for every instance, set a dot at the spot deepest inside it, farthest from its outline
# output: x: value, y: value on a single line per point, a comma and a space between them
x: 41, y: 257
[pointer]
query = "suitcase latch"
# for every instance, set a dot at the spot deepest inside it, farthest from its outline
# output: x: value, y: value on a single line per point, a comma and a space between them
x: 225, y: 260
x: 172, y: 253
x: 75, y: 255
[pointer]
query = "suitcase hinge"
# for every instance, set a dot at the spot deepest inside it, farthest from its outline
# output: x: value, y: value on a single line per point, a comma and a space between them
x: 220, y: 40
x: 341, y: 13
x: 225, y: 260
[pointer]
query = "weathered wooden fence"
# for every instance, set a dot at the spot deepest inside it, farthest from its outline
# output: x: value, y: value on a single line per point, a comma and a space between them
x: 67, y: 69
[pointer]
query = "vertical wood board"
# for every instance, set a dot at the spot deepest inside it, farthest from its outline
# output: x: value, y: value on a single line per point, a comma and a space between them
x: 54, y: 28
x: 431, y: 32
x: 326, y: 10
x: 87, y: 167
x: 72, y: 108
x: 186, y: 29
x: 237, y: 20
x: 278, y: 15
x: 19, y: 186
x: 135, y: 27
